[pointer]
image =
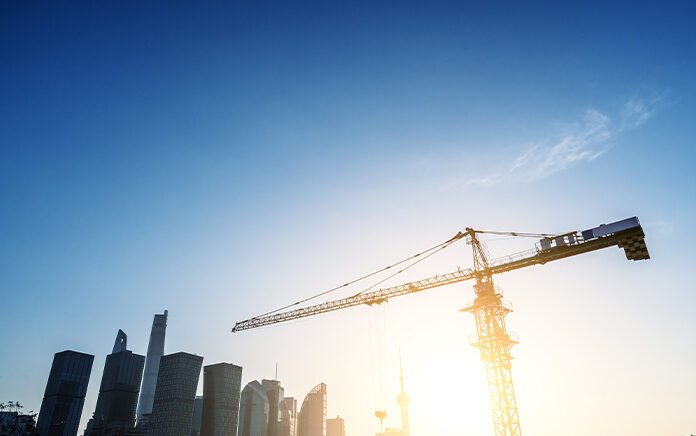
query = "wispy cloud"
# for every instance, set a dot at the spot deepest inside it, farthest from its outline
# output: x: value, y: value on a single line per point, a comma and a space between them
x: 582, y: 141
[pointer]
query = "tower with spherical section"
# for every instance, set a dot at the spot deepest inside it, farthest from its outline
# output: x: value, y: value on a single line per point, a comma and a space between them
x: 403, y: 400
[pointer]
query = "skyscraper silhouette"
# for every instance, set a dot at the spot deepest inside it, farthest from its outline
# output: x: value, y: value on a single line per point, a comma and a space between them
x: 175, y: 394
x: 312, y: 419
x: 197, y: 416
x: 288, y: 417
x: 253, y: 410
x: 65, y: 394
x: 155, y: 350
x: 275, y: 393
x: 118, y: 392
x: 221, y: 391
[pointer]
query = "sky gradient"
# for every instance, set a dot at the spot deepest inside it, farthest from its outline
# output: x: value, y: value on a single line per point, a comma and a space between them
x: 222, y: 160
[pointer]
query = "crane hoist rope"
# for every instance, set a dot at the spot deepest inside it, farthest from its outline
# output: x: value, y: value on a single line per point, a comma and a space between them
x: 442, y: 247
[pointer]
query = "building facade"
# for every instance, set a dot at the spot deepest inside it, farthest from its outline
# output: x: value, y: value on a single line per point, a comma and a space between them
x: 65, y: 394
x: 118, y: 392
x: 175, y: 393
x: 197, y: 416
x: 288, y: 417
x: 275, y: 393
x: 253, y: 411
x: 155, y: 350
x: 221, y: 395
x: 335, y: 427
x: 312, y: 419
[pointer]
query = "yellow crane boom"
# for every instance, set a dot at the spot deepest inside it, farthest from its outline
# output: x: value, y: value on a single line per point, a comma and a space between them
x: 632, y: 240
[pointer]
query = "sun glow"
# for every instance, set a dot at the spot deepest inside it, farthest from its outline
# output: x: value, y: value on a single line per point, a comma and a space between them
x: 447, y: 395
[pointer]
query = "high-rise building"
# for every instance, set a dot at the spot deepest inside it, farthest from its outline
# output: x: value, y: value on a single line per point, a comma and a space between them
x: 155, y: 350
x: 118, y: 392
x: 65, y: 394
x: 197, y: 416
x: 221, y: 391
x: 288, y: 417
x: 253, y: 411
x: 335, y: 427
x: 312, y: 419
x: 275, y: 393
x: 175, y: 394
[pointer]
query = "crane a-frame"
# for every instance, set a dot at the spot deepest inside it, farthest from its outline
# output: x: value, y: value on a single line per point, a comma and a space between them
x: 489, y: 308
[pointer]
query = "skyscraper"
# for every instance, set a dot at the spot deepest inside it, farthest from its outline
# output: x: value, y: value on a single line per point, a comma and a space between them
x: 288, y: 417
x: 118, y: 393
x: 335, y: 427
x: 221, y: 391
x: 275, y: 393
x: 175, y: 394
x: 197, y: 416
x: 312, y: 419
x: 65, y: 394
x: 253, y: 411
x: 155, y: 350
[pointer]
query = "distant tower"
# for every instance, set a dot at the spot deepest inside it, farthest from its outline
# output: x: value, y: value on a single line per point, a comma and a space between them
x: 155, y: 350
x: 175, y: 395
x: 118, y: 392
x: 403, y: 401
x: 65, y: 394
x: 221, y: 391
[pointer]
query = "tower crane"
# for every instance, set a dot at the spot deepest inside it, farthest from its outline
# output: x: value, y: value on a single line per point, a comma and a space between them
x: 489, y: 309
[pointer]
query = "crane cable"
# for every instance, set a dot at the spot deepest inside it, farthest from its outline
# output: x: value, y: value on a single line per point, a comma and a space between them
x: 444, y: 245
x: 437, y: 247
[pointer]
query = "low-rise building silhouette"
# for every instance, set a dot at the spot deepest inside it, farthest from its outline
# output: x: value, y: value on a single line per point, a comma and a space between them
x: 335, y: 427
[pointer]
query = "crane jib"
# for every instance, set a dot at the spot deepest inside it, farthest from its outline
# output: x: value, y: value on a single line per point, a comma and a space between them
x: 631, y: 240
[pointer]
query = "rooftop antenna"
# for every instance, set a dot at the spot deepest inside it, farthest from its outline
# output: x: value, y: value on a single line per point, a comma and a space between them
x: 276, y: 376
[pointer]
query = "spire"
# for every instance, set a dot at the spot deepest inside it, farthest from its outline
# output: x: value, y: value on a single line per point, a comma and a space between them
x: 121, y: 342
x: 403, y: 401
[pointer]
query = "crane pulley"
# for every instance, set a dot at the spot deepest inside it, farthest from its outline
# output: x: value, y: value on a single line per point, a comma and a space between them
x: 489, y: 309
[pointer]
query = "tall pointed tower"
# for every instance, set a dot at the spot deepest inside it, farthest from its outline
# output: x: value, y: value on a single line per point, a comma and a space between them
x: 403, y: 401
x: 155, y: 350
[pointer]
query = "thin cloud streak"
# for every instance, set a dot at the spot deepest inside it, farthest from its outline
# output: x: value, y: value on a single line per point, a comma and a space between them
x: 582, y: 141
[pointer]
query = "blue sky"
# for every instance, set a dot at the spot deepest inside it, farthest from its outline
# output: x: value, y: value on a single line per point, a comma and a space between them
x: 220, y: 160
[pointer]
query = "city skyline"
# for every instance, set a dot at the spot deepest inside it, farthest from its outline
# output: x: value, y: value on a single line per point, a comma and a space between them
x: 223, y: 160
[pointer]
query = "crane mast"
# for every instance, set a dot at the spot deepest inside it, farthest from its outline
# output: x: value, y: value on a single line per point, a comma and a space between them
x: 494, y: 342
x: 489, y: 309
